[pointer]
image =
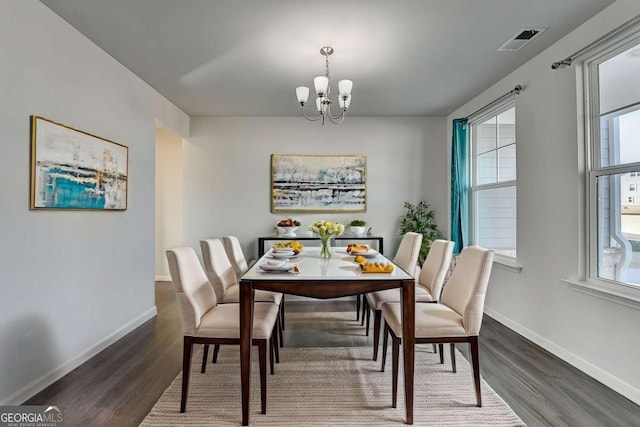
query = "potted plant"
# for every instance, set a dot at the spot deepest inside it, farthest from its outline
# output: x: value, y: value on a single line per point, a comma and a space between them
x: 357, y: 226
x: 419, y: 218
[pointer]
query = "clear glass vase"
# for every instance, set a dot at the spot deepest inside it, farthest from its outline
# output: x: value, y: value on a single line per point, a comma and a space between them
x: 325, y: 251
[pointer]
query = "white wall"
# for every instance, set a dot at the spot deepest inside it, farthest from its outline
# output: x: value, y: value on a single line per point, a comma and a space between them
x: 227, y: 171
x: 168, y: 197
x: 595, y: 334
x: 71, y: 282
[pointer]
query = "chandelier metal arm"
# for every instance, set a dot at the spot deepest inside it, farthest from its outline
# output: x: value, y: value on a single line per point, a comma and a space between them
x: 335, y: 120
x: 311, y: 119
x: 339, y: 116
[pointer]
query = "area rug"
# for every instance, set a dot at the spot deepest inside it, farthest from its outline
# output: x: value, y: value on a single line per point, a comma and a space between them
x: 338, y: 386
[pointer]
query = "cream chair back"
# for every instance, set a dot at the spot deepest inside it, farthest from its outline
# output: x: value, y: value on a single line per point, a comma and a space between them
x: 435, y: 267
x: 467, y: 287
x: 408, y: 252
x: 235, y: 254
x: 193, y: 291
x: 219, y: 269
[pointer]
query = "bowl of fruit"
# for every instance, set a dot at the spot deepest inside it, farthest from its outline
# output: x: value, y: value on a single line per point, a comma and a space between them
x: 357, y: 249
x: 287, y: 227
x: 290, y: 246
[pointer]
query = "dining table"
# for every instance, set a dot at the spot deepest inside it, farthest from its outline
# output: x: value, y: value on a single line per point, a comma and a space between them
x: 307, y: 274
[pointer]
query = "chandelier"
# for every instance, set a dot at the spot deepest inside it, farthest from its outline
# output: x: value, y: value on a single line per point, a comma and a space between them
x: 323, y: 103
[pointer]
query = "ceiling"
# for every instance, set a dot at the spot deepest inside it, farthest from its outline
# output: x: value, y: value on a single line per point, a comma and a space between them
x: 245, y: 57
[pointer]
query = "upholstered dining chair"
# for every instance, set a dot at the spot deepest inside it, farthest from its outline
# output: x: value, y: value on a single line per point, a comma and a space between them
x: 457, y: 318
x: 223, y: 277
x: 428, y: 285
x: 406, y: 258
x: 204, y: 321
x: 235, y: 254
x: 240, y: 265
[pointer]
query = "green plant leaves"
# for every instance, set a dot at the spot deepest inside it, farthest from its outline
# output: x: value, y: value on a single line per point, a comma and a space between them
x: 419, y: 219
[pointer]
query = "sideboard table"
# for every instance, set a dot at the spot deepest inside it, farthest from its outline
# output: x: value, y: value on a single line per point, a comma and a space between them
x: 344, y: 237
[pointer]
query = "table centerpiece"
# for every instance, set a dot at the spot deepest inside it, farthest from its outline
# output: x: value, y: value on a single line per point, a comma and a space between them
x: 326, y: 230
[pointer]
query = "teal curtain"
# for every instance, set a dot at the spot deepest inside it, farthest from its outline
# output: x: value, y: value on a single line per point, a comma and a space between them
x: 459, y: 184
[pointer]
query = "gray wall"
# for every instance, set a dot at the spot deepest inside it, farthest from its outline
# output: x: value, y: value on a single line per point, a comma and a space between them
x: 227, y: 171
x: 593, y: 331
x: 71, y: 282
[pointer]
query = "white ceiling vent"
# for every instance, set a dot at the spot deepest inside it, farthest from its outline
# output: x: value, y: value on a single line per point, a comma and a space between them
x: 520, y: 39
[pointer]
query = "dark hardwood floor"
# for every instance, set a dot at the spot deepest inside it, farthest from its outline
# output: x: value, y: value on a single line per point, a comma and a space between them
x: 119, y: 386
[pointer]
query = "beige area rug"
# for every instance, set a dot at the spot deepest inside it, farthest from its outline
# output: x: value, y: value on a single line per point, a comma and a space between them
x: 338, y: 386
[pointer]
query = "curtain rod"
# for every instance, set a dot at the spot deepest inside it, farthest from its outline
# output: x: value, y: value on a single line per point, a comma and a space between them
x: 516, y: 90
x: 569, y: 59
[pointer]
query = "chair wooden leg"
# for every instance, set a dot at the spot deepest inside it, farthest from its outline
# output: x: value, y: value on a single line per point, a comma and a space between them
x: 358, y: 307
x: 280, y: 329
x: 434, y: 348
x: 282, y: 311
x: 262, y: 356
x: 441, y: 348
x: 395, y: 356
x: 377, y: 316
x: 385, y: 341
x: 275, y: 339
x: 368, y: 318
x: 205, y: 356
x: 453, y: 357
x: 216, y: 349
x: 187, y: 347
x: 473, y: 343
x: 365, y: 306
x: 272, y: 355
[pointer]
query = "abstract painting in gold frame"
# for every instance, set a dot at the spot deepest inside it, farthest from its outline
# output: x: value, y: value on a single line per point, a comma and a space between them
x: 73, y: 169
x: 318, y: 183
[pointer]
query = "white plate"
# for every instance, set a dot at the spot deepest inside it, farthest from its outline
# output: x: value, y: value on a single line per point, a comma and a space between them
x: 283, y: 255
x: 272, y: 262
x: 266, y: 267
x: 371, y: 253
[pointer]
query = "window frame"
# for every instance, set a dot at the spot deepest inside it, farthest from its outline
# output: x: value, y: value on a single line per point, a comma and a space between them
x: 593, y: 150
x: 474, y: 188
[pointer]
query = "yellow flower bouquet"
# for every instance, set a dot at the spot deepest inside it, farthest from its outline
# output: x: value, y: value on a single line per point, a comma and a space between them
x: 326, y: 230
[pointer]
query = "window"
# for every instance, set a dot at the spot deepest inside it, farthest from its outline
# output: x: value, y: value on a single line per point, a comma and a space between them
x: 493, y: 188
x: 613, y: 132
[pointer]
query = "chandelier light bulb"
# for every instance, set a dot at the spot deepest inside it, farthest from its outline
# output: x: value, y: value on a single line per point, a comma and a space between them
x: 321, y: 83
x: 302, y: 92
x: 344, y: 102
x: 344, y: 87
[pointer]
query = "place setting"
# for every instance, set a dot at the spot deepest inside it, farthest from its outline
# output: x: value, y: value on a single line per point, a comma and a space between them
x: 275, y: 265
x: 361, y: 251
x: 283, y: 253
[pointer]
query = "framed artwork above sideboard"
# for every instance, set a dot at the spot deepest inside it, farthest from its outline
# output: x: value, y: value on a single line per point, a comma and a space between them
x: 318, y: 183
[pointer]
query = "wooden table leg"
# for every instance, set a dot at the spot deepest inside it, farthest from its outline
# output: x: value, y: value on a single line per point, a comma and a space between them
x: 246, y: 330
x: 408, y: 342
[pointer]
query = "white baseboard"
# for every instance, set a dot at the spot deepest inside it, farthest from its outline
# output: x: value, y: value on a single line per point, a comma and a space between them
x: 47, y: 379
x: 611, y: 381
x: 163, y: 278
